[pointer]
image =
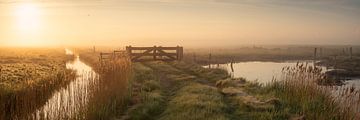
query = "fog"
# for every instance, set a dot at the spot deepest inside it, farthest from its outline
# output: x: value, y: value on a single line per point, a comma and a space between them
x: 176, y: 22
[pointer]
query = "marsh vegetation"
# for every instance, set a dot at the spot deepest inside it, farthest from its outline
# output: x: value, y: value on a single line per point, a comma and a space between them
x: 117, y: 88
x: 28, y: 77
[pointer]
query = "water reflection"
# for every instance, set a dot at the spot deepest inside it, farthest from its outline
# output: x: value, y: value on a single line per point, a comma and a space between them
x: 262, y: 72
x: 70, y: 100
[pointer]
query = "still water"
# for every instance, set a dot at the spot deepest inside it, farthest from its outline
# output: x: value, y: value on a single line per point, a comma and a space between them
x: 68, y: 102
x: 264, y: 72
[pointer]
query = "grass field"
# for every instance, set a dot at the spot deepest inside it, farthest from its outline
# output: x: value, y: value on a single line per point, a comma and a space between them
x: 264, y: 53
x: 168, y: 90
x: 28, y: 76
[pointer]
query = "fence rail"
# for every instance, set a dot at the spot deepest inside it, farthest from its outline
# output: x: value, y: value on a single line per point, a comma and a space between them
x: 155, y: 53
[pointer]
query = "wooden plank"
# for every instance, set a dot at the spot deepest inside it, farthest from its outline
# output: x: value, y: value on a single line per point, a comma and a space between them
x: 119, y: 51
x: 152, y: 54
x: 140, y: 48
x: 106, y: 53
x: 137, y: 57
x: 157, y: 53
x: 148, y: 48
x: 167, y: 48
x: 167, y: 55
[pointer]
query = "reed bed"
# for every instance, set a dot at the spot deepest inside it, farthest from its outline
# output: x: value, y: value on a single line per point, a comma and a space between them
x: 299, y: 91
x: 28, y: 77
x: 111, y: 93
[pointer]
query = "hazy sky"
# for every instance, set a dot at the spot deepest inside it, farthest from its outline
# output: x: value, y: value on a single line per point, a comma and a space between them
x: 178, y: 22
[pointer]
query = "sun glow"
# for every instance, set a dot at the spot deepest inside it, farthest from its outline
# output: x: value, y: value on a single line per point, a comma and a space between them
x: 28, y: 24
x: 27, y: 17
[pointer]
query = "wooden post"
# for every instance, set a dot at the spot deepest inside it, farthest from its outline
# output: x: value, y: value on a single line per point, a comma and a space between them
x: 315, y: 51
x: 128, y: 50
x: 154, y: 51
x: 181, y: 52
x: 94, y: 49
x: 351, y: 52
x: 177, y: 53
x: 210, y: 60
x: 100, y: 57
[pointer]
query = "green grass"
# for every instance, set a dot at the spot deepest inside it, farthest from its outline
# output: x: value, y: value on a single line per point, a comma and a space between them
x: 196, y: 102
x: 211, y: 75
x: 147, y: 94
x: 168, y: 92
x: 192, y: 98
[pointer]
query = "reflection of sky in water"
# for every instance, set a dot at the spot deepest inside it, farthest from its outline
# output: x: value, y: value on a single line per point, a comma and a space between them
x: 68, y: 101
x: 263, y: 72
x: 353, y: 82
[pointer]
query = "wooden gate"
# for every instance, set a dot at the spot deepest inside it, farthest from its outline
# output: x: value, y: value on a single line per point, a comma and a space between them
x: 155, y: 53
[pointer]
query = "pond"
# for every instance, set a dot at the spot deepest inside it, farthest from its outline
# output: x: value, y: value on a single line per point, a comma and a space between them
x: 264, y: 72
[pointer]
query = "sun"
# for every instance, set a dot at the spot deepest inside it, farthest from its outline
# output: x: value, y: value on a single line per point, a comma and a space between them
x: 27, y: 24
x: 27, y: 18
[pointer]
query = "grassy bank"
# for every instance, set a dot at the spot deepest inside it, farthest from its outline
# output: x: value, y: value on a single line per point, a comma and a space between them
x: 111, y: 94
x: 300, y: 95
x: 28, y: 77
x: 181, y: 90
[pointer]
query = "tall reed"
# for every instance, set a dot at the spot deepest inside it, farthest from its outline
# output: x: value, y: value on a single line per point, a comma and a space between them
x: 111, y: 92
x: 300, y: 92
x: 28, y: 77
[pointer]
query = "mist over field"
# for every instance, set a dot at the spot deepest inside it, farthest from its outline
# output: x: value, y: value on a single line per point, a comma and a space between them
x: 178, y: 22
x: 179, y: 59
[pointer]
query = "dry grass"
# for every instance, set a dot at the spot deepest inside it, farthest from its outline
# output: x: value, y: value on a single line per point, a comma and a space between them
x: 28, y: 77
x: 301, y: 95
x: 112, y: 92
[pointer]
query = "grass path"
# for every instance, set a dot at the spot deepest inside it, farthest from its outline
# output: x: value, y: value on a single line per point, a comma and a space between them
x: 189, y: 98
x: 187, y: 91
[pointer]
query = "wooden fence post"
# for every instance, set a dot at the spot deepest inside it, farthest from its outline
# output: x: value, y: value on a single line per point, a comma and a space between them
x: 100, y: 55
x: 315, y: 51
x: 154, y: 51
x: 181, y: 52
x: 177, y: 53
x: 210, y: 60
x: 351, y: 53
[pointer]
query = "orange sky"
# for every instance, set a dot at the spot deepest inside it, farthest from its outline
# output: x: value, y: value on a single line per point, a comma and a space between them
x: 178, y: 22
